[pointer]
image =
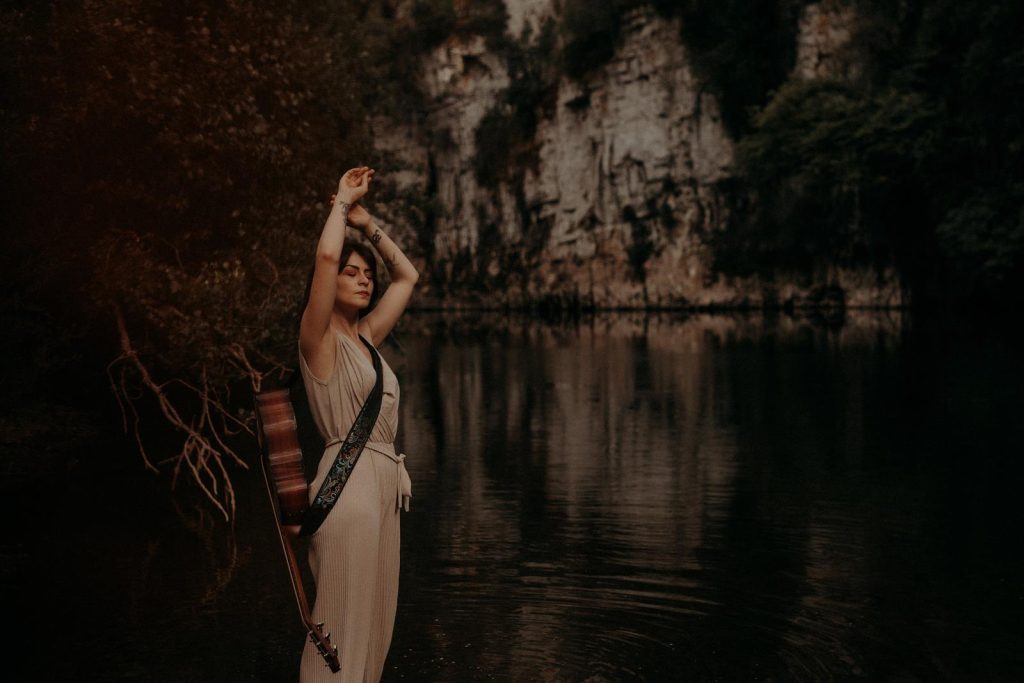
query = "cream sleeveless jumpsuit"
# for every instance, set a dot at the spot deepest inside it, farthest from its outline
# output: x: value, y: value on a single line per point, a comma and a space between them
x: 354, y: 554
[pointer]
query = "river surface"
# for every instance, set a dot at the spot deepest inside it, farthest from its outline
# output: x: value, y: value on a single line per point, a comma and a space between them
x: 627, y: 497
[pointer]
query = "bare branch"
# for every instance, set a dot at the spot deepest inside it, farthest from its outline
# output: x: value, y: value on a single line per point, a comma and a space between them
x: 203, y: 450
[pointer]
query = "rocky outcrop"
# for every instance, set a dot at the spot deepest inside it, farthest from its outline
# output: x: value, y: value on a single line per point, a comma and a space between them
x: 629, y: 175
x: 822, y: 42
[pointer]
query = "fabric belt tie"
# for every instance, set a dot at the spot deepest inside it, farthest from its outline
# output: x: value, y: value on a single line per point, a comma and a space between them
x: 403, y: 494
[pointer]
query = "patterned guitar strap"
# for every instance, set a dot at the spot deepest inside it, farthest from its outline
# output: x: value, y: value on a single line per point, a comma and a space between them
x: 348, y: 455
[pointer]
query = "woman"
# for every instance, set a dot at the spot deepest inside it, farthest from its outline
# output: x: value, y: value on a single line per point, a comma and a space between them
x: 354, y: 553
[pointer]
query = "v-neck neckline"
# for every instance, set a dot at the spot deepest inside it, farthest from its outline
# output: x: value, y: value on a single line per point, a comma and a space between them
x: 359, y: 352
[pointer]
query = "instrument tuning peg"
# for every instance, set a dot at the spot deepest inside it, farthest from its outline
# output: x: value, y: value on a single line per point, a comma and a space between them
x: 328, y: 636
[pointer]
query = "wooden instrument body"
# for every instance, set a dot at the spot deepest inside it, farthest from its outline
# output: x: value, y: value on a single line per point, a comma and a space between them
x: 281, y: 462
x: 281, y: 450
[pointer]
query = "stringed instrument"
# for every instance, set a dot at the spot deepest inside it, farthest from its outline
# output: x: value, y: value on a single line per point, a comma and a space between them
x: 288, y: 490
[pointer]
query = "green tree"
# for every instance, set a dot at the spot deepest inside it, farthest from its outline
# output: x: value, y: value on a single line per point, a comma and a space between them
x: 819, y: 171
x: 918, y: 162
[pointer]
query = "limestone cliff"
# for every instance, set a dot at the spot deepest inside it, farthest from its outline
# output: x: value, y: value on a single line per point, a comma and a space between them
x: 630, y: 172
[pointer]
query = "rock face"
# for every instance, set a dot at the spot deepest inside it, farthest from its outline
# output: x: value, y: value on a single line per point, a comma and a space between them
x: 629, y: 177
x: 628, y: 174
x: 825, y: 31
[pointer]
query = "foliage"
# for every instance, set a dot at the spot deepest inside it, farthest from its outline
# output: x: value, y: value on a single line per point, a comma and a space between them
x: 505, y: 138
x: 591, y: 33
x: 641, y: 246
x: 984, y: 239
x: 967, y: 57
x: 742, y: 49
x: 919, y: 163
x: 819, y: 163
x: 167, y: 166
x: 166, y: 163
x: 435, y: 21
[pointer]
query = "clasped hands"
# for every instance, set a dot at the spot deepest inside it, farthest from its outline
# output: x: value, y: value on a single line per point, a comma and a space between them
x: 352, y: 187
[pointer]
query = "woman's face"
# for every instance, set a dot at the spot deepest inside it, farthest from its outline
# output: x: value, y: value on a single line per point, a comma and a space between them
x: 355, y: 282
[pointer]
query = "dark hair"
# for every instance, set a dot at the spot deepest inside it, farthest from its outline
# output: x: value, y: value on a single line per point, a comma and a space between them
x: 346, y: 251
x: 371, y: 260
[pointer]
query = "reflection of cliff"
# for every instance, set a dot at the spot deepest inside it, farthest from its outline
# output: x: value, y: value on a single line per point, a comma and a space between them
x: 641, y: 470
x: 629, y: 171
x: 594, y: 449
x: 626, y: 470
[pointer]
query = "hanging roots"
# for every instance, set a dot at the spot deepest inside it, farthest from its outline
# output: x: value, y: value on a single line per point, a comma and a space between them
x: 204, y: 448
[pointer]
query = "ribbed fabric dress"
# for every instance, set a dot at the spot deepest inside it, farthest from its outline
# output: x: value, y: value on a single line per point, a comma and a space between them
x: 354, y: 554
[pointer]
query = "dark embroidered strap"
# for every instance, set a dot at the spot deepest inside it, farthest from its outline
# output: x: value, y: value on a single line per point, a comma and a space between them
x: 348, y: 455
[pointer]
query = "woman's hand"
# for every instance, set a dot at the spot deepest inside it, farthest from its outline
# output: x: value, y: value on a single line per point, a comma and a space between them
x: 354, y: 176
x: 354, y: 184
x: 359, y: 217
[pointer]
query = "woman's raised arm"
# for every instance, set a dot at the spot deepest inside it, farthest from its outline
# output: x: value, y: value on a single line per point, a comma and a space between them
x: 404, y: 275
x: 316, y: 318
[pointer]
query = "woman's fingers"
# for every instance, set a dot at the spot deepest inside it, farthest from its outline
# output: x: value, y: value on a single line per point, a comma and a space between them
x: 357, y: 182
x: 363, y: 179
x: 353, y: 175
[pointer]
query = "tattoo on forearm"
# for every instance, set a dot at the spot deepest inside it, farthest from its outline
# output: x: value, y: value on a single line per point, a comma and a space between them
x: 391, y: 260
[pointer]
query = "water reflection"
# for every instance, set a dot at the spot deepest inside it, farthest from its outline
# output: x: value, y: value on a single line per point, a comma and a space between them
x: 640, y: 497
x: 626, y: 497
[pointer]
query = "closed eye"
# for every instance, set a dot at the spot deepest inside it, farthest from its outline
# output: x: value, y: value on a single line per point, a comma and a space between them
x: 353, y: 271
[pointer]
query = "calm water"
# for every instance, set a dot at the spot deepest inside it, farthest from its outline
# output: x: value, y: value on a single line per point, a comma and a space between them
x: 627, y: 498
